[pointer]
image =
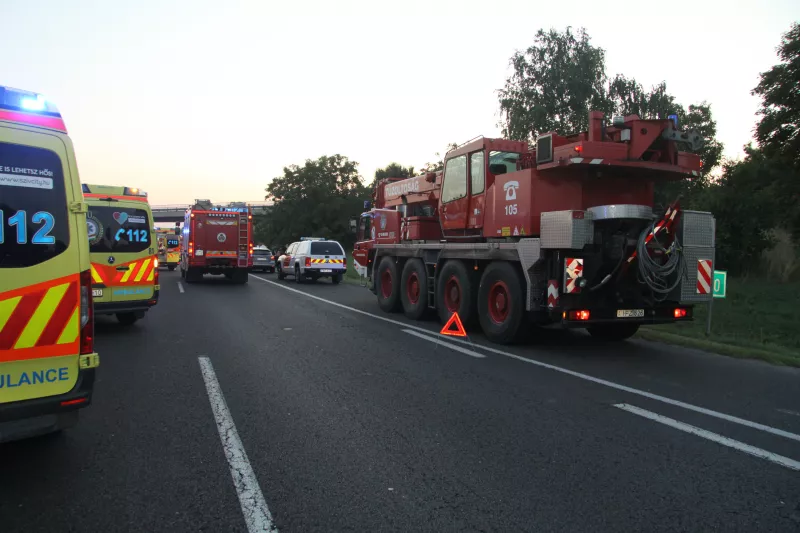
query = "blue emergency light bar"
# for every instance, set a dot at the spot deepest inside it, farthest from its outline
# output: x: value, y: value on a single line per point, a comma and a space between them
x: 31, y: 108
x: 312, y: 238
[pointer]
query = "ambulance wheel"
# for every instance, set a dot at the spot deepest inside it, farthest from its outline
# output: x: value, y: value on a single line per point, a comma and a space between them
x: 613, y: 332
x: 281, y: 275
x: 414, y: 289
x: 127, y: 319
x: 388, y: 284
x: 336, y: 279
x: 455, y: 293
x: 500, y: 302
x: 170, y: 267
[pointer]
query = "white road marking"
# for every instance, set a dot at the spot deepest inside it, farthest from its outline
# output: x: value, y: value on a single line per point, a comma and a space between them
x: 180, y: 287
x: 254, y: 507
x: 599, y: 381
x: 443, y: 343
x: 725, y: 441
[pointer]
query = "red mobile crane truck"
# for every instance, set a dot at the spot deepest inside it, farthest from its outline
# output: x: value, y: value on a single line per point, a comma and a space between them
x: 217, y: 240
x: 560, y: 232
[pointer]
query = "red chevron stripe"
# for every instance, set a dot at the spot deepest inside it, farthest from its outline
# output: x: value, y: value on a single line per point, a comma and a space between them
x: 60, y: 317
x: 19, y: 319
x: 144, y: 278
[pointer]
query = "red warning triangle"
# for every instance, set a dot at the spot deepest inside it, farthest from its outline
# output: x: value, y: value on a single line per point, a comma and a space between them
x: 454, y: 322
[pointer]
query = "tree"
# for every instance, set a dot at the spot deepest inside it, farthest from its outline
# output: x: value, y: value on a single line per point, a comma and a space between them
x: 745, y: 204
x: 315, y: 199
x: 554, y: 85
x: 778, y: 131
x: 438, y: 165
x: 392, y: 170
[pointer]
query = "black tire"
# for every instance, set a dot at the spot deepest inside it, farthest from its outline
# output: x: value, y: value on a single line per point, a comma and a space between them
x: 297, y: 277
x: 456, y: 291
x: 613, y: 332
x: 193, y: 275
x: 387, y: 283
x: 414, y: 289
x: 501, y: 305
x: 170, y: 267
x: 336, y: 279
x: 127, y: 319
x: 281, y: 275
x: 240, y: 276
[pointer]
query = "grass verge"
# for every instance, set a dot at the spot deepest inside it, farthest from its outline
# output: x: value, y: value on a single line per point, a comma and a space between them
x: 758, y: 319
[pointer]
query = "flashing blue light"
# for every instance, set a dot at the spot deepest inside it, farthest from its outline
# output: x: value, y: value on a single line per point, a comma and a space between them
x: 33, y: 104
x: 366, y: 205
x: 674, y: 119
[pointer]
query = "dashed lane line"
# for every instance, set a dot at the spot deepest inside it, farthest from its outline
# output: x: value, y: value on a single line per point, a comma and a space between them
x: 719, y: 439
x: 254, y: 507
x: 579, y: 375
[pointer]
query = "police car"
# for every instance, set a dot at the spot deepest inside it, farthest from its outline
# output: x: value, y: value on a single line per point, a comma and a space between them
x: 312, y: 258
x: 47, y: 358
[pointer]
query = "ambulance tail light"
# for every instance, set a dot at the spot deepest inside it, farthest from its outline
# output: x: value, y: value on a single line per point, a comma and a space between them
x: 87, y: 313
x: 344, y: 263
x: 308, y: 261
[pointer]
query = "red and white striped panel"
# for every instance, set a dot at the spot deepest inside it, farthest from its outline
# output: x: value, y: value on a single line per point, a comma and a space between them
x: 705, y: 273
x: 573, y: 269
x: 552, y: 293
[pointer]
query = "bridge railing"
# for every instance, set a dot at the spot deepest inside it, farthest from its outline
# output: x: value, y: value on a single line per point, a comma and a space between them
x: 184, y: 207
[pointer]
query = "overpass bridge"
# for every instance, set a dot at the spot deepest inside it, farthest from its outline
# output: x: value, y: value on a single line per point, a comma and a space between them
x: 175, y: 212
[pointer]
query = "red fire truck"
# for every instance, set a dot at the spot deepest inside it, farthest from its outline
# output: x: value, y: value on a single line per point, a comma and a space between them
x: 561, y: 232
x: 217, y: 240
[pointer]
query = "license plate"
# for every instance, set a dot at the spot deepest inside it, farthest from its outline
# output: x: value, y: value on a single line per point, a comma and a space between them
x: 97, y: 293
x: 630, y: 313
x: 326, y: 270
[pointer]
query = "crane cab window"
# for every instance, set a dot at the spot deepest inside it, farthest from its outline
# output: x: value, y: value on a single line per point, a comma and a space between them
x: 503, y: 162
x: 455, y: 179
x: 476, y: 172
x: 365, y: 228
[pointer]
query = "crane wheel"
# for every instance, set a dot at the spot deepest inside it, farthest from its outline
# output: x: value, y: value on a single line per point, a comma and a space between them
x: 456, y: 292
x: 414, y: 289
x: 500, y: 302
x: 388, y: 285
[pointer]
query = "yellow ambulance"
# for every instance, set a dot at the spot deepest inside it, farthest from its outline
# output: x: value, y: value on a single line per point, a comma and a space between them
x: 47, y: 358
x: 123, y: 247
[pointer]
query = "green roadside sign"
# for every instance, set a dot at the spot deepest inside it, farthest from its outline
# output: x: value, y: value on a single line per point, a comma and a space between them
x: 720, y: 283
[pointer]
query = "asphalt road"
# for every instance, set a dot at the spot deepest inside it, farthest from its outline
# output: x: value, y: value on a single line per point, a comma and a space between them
x: 353, y: 420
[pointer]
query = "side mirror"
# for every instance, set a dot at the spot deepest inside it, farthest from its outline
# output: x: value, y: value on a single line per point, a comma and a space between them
x: 353, y: 225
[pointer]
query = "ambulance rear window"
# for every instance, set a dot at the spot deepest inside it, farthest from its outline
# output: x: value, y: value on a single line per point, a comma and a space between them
x: 34, y: 222
x: 326, y: 248
x: 118, y: 230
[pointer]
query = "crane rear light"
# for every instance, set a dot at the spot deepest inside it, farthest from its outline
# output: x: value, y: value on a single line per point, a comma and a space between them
x: 579, y: 314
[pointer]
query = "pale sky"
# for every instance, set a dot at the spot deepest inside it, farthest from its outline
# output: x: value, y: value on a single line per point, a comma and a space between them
x: 194, y: 99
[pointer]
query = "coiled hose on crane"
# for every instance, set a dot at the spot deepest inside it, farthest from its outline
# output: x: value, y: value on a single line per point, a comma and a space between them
x: 654, y: 274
